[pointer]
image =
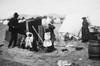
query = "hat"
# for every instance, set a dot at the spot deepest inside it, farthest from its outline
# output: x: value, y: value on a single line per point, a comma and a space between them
x: 16, y: 14
x: 83, y: 17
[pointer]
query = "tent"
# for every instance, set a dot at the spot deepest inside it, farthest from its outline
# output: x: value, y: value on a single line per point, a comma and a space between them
x: 72, y: 24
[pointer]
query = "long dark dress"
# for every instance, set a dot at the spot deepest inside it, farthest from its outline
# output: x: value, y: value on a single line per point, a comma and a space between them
x: 52, y: 27
x: 85, y: 32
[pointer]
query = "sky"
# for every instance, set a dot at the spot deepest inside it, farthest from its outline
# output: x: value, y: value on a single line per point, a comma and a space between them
x: 73, y: 9
x: 43, y: 7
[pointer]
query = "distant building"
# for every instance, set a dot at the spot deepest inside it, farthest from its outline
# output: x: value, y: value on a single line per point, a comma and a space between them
x: 5, y: 22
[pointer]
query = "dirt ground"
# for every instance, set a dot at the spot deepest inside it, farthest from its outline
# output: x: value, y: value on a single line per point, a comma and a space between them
x: 65, y: 52
x: 22, y: 57
x: 4, y: 62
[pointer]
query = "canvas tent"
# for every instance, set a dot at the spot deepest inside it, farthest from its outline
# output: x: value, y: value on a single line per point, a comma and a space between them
x: 72, y: 24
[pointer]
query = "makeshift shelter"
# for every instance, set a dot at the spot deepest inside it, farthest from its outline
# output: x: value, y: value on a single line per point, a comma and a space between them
x: 72, y: 24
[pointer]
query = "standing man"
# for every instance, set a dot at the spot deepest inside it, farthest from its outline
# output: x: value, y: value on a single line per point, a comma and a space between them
x: 13, y: 24
x: 85, y: 30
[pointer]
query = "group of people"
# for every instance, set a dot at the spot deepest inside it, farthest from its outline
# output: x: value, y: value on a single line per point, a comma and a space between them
x: 48, y: 30
x: 47, y: 26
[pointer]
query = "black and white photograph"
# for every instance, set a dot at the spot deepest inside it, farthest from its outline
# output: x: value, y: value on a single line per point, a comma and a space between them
x: 49, y: 32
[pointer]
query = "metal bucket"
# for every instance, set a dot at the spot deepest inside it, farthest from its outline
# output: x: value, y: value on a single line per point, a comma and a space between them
x: 94, y: 49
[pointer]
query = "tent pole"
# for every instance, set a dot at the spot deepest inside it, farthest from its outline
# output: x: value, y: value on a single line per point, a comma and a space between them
x: 37, y: 34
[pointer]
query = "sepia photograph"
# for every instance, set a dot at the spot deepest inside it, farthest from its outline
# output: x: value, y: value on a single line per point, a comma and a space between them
x: 49, y: 32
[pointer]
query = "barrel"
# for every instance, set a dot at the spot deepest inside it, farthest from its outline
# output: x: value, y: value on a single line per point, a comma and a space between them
x: 94, y: 49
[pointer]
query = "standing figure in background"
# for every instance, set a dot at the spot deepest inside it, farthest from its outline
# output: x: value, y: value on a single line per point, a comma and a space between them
x: 13, y: 24
x: 85, y: 30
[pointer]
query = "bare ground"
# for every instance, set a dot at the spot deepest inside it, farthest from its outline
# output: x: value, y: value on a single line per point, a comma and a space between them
x: 21, y: 57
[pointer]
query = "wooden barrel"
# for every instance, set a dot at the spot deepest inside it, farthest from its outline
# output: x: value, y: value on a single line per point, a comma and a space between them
x: 94, y: 49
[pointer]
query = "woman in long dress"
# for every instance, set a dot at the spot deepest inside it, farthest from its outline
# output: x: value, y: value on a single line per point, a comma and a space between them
x: 85, y: 30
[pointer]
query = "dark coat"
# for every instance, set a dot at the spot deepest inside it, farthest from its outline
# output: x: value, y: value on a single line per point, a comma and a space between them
x: 13, y: 23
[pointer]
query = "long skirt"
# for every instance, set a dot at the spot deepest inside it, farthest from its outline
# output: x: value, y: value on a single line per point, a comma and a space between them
x: 85, y: 34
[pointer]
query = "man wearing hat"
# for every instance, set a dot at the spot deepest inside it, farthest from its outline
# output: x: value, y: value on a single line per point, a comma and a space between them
x: 85, y: 30
x: 13, y: 23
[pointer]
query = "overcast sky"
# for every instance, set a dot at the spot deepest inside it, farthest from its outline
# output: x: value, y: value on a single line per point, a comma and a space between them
x: 43, y: 7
